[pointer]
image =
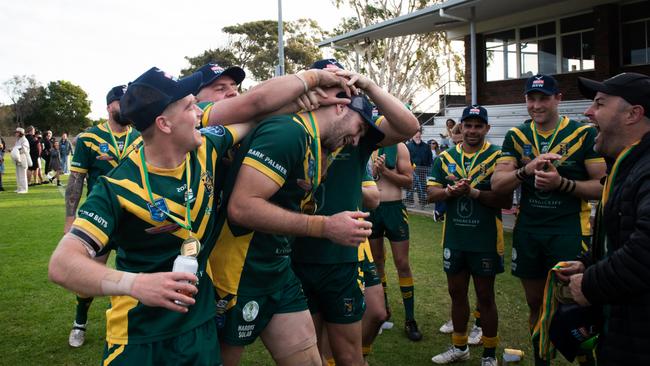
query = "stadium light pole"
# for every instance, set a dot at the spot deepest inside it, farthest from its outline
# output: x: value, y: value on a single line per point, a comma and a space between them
x: 279, y: 70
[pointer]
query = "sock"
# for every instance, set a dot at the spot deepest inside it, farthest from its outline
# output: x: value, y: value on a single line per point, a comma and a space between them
x: 477, y: 315
x: 385, y: 286
x: 406, y: 287
x: 490, y: 346
x: 83, y: 304
x: 459, y: 340
x: 366, y: 350
x: 330, y: 362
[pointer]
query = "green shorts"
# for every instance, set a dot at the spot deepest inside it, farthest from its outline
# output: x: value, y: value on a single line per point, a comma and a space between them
x: 391, y: 220
x: 370, y: 276
x: 199, y: 346
x: 533, y: 254
x: 480, y: 264
x: 241, y: 323
x: 333, y: 290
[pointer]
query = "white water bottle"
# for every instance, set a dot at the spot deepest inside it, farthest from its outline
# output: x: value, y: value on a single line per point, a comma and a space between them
x: 184, y: 263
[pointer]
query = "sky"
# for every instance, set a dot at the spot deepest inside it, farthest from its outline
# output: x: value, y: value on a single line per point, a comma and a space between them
x: 100, y: 44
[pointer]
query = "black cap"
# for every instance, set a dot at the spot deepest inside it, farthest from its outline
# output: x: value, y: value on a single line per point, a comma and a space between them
x: 211, y: 72
x: 325, y: 63
x: 542, y: 83
x: 571, y: 326
x: 633, y: 87
x: 115, y: 93
x: 475, y: 111
x: 361, y: 104
x: 148, y: 96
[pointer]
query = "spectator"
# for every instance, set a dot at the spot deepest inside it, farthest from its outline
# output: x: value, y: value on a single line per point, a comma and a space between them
x: 33, y: 153
x: 435, y: 148
x: 20, y: 155
x: 446, y: 135
x: 2, y: 161
x: 422, y: 158
x: 55, y: 162
x: 456, y: 135
x: 47, y: 141
x: 65, y: 148
x: 38, y: 172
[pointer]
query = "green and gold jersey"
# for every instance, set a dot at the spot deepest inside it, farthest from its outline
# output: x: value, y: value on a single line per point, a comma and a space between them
x: 364, y: 249
x: 98, y: 150
x: 553, y: 212
x: 120, y: 214
x: 206, y: 107
x: 340, y: 191
x: 469, y: 225
x: 283, y: 148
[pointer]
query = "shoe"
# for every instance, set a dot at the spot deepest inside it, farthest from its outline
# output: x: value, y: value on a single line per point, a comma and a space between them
x: 58, y: 184
x: 453, y: 354
x: 21, y: 192
x: 475, y: 335
x: 387, y: 325
x: 489, y: 361
x: 77, y: 335
x: 412, y: 332
x: 447, y: 328
x: 2, y: 189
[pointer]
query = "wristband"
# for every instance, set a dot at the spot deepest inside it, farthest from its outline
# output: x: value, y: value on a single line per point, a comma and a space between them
x: 316, y: 226
x: 309, y: 77
x: 304, y: 83
x: 117, y: 283
x: 521, y: 174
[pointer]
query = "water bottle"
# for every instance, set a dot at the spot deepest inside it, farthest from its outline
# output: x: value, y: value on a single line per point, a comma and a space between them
x: 184, y: 263
x: 512, y: 356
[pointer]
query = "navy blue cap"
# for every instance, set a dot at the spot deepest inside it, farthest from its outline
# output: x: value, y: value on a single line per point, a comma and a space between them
x: 475, y: 111
x: 211, y: 72
x: 571, y: 326
x: 325, y: 63
x: 148, y: 96
x: 631, y: 86
x: 361, y: 104
x: 542, y: 83
x: 115, y: 93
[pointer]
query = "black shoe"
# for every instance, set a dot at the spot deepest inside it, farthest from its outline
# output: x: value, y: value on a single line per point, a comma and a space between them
x: 2, y: 189
x: 412, y: 332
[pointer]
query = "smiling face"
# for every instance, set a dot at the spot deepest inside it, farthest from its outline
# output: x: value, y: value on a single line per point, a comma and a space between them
x: 183, y: 117
x: 474, y: 131
x: 345, y: 130
x: 607, y: 113
x: 542, y: 108
x: 222, y: 88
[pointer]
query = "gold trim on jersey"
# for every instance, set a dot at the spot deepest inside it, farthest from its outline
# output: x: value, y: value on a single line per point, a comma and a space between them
x: 364, y: 252
x: 205, y: 117
x: 585, y: 214
x: 500, y: 241
x: 78, y: 170
x: 227, y: 259
x: 525, y: 141
x: 277, y: 178
x: 595, y: 161
x: 96, y: 149
x: 503, y: 159
x: 368, y: 183
x: 433, y: 184
x: 92, y: 229
x: 118, y: 351
x: 117, y: 319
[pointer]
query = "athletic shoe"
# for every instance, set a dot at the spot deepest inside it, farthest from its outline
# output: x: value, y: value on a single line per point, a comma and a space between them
x: 411, y: 329
x: 489, y: 361
x: 387, y: 325
x: 475, y: 335
x: 21, y: 192
x: 453, y: 354
x: 447, y: 328
x: 77, y: 335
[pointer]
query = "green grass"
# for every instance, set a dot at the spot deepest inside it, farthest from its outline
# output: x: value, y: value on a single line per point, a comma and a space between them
x: 36, y: 315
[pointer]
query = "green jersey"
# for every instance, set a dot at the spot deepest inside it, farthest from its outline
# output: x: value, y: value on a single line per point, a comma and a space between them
x: 553, y: 212
x: 98, y: 150
x: 283, y: 148
x: 340, y: 191
x: 145, y: 239
x: 470, y: 225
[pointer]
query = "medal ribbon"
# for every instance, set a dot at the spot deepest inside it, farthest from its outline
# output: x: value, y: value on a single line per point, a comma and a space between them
x: 187, y: 221
x: 466, y: 173
x: 536, y: 135
x: 315, y: 150
x: 120, y: 154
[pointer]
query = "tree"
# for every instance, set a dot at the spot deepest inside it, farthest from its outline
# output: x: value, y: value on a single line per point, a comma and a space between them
x: 402, y: 65
x: 64, y: 107
x: 15, y: 88
x: 254, y: 45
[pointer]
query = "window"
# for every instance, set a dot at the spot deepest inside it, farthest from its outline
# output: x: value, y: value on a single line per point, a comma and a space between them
x: 558, y: 46
x: 635, y: 32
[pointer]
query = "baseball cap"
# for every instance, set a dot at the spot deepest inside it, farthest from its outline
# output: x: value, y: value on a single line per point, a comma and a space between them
x: 542, y: 83
x: 115, y: 93
x: 325, y: 63
x: 475, y: 111
x: 571, y: 327
x: 631, y: 86
x: 361, y: 104
x: 211, y: 72
x: 21, y: 130
x: 148, y: 95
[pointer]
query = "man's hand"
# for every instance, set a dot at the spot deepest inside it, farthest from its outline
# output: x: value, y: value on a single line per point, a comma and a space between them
x: 575, y: 285
x: 540, y: 162
x: 329, y: 79
x: 461, y: 188
x: 355, y: 80
x: 548, y: 178
x: 574, y: 267
x: 163, y: 288
x: 379, y: 165
x: 345, y: 228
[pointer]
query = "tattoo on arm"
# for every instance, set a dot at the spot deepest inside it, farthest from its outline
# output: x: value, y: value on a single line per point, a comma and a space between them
x: 73, y: 193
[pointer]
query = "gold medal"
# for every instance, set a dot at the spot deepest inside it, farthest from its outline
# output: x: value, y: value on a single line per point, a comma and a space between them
x: 191, y: 247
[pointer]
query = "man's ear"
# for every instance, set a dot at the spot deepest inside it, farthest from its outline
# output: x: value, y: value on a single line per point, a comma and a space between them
x: 163, y: 124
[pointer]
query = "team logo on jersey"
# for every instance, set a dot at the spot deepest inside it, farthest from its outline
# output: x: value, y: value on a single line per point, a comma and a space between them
x: 564, y: 148
x: 103, y: 148
x: 189, y: 196
x: 250, y: 311
x: 214, y: 130
x: 543, y: 195
x: 465, y: 207
x: 483, y: 169
x: 158, y: 209
x: 206, y: 177
x: 446, y: 253
x: 348, y: 306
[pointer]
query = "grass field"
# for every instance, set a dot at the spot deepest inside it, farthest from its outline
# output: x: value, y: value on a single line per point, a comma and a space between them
x: 36, y: 315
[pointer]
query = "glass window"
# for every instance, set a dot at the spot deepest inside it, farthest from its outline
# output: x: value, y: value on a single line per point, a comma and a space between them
x: 501, y: 56
x: 538, y: 57
x: 635, y: 11
x: 578, y: 51
x: 576, y: 23
x: 635, y: 43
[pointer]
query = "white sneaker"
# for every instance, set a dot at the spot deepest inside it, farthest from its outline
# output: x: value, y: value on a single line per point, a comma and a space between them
x: 77, y: 335
x: 447, y: 328
x: 489, y: 361
x: 475, y: 335
x: 453, y: 354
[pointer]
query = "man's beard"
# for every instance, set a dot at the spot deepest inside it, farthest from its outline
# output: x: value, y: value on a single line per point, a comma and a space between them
x: 119, y: 119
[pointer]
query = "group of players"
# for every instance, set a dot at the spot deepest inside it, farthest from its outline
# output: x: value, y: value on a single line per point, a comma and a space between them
x: 267, y: 190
